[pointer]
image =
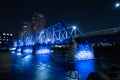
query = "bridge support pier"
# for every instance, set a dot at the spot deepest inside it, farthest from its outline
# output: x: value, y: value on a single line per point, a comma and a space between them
x: 72, y: 50
x: 27, y: 50
x: 78, y: 51
x: 84, y: 52
x: 41, y: 49
x: 42, y: 52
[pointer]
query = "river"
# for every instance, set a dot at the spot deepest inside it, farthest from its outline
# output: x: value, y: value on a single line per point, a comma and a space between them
x: 14, y: 66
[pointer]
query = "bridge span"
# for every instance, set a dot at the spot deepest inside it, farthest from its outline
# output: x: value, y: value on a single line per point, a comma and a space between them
x: 63, y: 33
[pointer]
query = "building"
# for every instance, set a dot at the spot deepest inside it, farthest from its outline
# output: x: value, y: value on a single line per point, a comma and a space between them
x: 38, y: 22
x: 6, y: 39
x: 20, y: 35
x: 33, y: 27
x: 26, y: 28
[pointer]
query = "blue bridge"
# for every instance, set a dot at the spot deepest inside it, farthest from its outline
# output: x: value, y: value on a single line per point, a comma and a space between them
x: 66, y: 34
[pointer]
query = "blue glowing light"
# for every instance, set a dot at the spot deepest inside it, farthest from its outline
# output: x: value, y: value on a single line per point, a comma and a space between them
x: 85, y: 67
x: 12, y: 48
x: 43, y: 53
x: 18, y: 49
x: 43, y: 50
x: 27, y: 51
x: 16, y: 53
x: 42, y: 32
x: 15, y: 44
x: 12, y: 52
x: 27, y: 60
x: 58, y: 41
x: 20, y: 43
x: 84, y: 55
x: 74, y: 27
x: 19, y: 54
x: 43, y: 57
x: 48, y: 40
x: 28, y: 57
x: 84, y: 52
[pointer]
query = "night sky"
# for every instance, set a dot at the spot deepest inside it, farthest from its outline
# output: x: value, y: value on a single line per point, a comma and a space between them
x: 89, y: 15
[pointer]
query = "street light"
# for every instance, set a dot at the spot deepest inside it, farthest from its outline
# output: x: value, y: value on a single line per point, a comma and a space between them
x: 74, y: 27
x: 48, y: 40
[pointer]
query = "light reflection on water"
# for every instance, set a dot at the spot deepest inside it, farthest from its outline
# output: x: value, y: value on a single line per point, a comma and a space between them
x: 43, y: 57
x: 85, y: 67
x: 39, y: 67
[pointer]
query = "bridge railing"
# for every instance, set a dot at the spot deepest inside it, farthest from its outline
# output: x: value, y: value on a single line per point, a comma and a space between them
x: 106, y: 31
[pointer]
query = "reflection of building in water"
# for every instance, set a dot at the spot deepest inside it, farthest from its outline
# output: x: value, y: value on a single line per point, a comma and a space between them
x: 6, y: 39
x: 38, y: 22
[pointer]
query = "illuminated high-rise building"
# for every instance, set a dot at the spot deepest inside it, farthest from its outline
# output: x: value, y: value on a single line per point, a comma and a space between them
x: 33, y: 27
x: 38, y: 22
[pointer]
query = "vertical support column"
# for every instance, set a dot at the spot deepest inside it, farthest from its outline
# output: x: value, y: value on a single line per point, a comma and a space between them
x: 59, y: 36
x: 65, y: 35
x: 75, y: 34
x: 53, y: 38
x: 72, y: 50
x: 42, y: 52
x: 80, y: 51
x: 84, y: 52
x: 27, y: 50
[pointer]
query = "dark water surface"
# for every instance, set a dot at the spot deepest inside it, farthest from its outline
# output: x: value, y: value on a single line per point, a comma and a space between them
x: 45, y: 67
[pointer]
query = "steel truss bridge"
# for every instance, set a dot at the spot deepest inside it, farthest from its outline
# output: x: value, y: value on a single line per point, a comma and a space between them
x: 59, y: 33
x: 56, y: 33
x: 65, y: 33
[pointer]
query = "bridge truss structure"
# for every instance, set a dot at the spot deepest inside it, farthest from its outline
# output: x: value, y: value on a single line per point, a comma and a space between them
x: 56, y: 33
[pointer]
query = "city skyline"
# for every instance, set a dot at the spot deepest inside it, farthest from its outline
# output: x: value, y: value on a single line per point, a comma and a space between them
x: 88, y: 15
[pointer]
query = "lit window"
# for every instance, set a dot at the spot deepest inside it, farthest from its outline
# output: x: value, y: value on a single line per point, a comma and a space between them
x: 3, y: 39
x: 4, y: 34
x: 10, y: 34
x: 0, y: 42
x: 40, y: 15
x: 7, y: 34
x: 7, y: 40
x: 35, y: 28
x: 25, y: 26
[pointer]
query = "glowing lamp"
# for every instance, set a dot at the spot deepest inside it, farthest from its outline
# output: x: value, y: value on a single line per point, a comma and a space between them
x: 74, y: 27
x: 48, y: 40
